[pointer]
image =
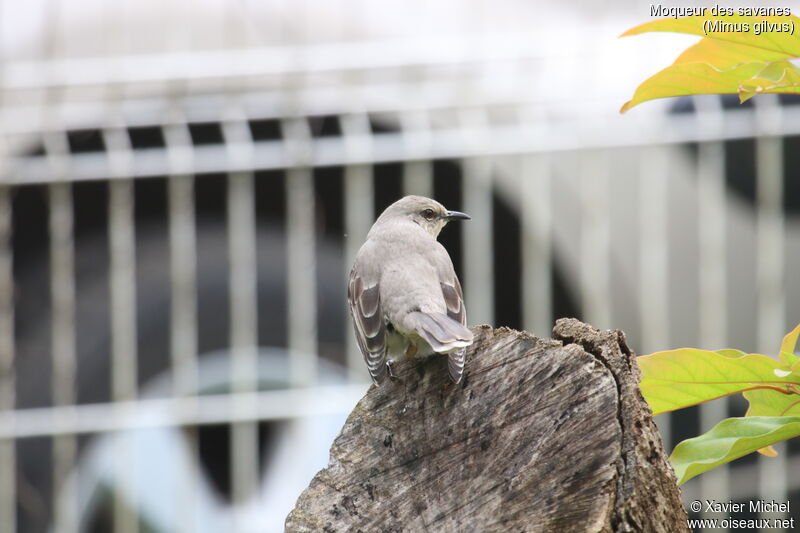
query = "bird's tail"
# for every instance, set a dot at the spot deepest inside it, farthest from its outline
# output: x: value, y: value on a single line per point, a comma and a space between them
x: 440, y: 331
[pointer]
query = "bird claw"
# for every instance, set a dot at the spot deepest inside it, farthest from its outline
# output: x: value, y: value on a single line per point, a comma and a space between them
x: 392, y: 375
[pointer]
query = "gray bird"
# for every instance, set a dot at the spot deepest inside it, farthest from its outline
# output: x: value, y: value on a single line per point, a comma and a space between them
x: 404, y: 295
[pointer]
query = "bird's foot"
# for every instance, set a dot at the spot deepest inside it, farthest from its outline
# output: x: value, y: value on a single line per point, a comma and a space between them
x: 392, y: 375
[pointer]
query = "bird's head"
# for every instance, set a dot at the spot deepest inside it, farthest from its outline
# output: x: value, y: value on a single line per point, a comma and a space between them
x: 429, y: 214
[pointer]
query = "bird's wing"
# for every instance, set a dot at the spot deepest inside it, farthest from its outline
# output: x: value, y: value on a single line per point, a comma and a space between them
x: 454, y: 299
x: 363, y: 295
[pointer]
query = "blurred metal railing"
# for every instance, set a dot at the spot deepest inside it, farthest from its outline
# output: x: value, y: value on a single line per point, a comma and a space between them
x: 8, y: 490
x: 63, y: 341
x: 282, y: 61
x: 445, y: 143
x: 183, y: 299
x: 770, y: 270
x: 594, y: 147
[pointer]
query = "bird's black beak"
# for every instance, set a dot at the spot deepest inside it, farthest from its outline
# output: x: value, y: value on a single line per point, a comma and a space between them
x: 456, y: 215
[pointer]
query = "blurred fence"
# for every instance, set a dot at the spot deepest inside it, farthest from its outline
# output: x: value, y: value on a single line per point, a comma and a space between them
x: 176, y: 230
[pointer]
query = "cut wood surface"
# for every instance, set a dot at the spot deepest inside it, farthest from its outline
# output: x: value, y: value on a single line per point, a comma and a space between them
x: 541, y: 435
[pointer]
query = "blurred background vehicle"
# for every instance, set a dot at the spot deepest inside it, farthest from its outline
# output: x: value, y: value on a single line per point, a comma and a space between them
x: 183, y: 186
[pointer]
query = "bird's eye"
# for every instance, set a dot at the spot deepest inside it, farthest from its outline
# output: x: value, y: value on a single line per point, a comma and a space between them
x: 428, y: 214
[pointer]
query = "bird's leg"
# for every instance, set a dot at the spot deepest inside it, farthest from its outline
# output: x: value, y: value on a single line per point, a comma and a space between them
x: 411, y: 351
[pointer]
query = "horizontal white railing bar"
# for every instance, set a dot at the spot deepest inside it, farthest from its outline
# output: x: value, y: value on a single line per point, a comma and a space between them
x: 268, y: 60
x: 365, y: 97
x: 199, y: 410
x: 505, y: 140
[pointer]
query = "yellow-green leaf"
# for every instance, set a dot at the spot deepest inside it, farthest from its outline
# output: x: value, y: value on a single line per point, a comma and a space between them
x: 770, y: 402
x: 777, y: 76
x: 692, y: 78
x: 790, y: 340
x: 791, y: 360
x: 778, y: 41
x: 747, y: 61
x: 724, y: 55
x: 769, y: 451
x: 676, y: 379
x: 746, y: 80
x: 729, y: 440
x: 730, y: 352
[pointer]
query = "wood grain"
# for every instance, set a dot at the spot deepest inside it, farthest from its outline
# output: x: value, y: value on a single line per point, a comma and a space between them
x: 540, y: 435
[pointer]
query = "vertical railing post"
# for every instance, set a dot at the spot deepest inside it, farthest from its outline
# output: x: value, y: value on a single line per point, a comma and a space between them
x: 770, y: 269
x: 63, y: 337
x: 244, y: 306
x: 124, y: 373
x: 359, y: 211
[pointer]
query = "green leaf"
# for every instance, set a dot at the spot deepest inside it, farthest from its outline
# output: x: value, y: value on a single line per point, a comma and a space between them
x: 692, y: 78
x: 790, y: 342
x: 725, y: 62
x: 676, y: 379
x: 769, y: 402
x: 730, y: 352
x: 729, y: 440
x: 777, y: 76
x: 790, y: 360
x: 724, y: 55
x: 746, y: 80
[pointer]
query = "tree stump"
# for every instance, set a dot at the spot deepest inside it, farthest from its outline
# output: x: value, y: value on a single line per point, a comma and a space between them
x: 540, y: 435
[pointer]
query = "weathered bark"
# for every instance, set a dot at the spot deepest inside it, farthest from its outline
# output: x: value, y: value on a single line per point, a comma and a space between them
x: 541, y: 435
